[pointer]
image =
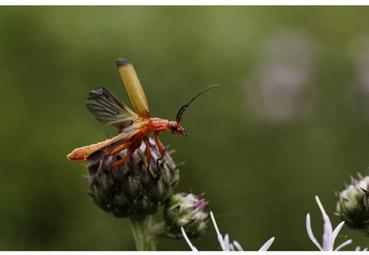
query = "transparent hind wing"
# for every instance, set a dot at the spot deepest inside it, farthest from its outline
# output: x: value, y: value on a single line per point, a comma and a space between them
x: 106, y: 108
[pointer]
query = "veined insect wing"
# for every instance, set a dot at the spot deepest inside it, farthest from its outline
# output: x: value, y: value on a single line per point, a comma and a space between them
x: 106, y: 108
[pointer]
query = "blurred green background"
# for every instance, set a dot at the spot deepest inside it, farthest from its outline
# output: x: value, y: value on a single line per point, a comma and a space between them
x: 290, y: 121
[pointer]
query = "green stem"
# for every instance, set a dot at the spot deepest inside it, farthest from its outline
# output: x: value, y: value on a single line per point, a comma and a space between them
x: 144, y: 237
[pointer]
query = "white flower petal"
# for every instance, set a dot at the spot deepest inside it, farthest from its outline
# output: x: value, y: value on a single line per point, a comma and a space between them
x: 328, y: 240
x: 267, y: 244
x: 193, y: 248
x: 226, y: 243
x: 310, y: 232
x: 214, y: 223
x: 359, y: 249
x: 329, y: 236
x: 337, y: 230
x: 219, y: 235
x: 237, y: 246
x: 320, y: 206
x: 345, y: 243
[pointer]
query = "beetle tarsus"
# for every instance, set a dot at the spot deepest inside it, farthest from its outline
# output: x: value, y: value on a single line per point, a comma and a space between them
x: 148, y: 152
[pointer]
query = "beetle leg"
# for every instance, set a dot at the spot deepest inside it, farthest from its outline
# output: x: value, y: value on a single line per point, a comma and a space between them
x: 131, y: 146
x: 148, y: 153
x: 159, y: 145
x: 121, y: 161
x: 160, y: 148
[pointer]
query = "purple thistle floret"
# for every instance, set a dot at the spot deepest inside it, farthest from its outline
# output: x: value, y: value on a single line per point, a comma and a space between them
x: 187, y: 211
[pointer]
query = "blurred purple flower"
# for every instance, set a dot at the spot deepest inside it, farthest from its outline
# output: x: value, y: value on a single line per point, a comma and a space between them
x: 283, y: 76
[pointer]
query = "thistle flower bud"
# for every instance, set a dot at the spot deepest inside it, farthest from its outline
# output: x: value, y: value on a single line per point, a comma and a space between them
x: 132, y: 190
x: 188, y: 211
x: 353, y: 204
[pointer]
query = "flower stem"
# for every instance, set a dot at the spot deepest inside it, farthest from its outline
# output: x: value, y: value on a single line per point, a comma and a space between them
x: 144, y: 238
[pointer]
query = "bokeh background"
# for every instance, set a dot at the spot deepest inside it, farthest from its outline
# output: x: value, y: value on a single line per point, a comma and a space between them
x: 290, y: 121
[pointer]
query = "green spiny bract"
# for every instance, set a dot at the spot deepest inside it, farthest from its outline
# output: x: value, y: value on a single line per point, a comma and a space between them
x: 353, y: 204
x: 188, y: 211
x: 133, y: 190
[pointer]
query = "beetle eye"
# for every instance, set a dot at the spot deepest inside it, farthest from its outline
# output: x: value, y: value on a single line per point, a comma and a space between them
x: 173, y: 127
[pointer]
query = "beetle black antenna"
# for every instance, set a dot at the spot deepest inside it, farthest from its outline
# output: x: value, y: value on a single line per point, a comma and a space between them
x: 184, y: 107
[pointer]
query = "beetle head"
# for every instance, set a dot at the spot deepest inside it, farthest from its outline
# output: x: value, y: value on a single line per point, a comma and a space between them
x: 176, y: 128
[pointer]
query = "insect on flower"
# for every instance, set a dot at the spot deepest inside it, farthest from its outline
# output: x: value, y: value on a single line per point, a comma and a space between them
x: 134, y: 127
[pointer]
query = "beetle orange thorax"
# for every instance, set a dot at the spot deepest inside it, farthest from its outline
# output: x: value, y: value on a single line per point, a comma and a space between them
x: 158, y: 124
